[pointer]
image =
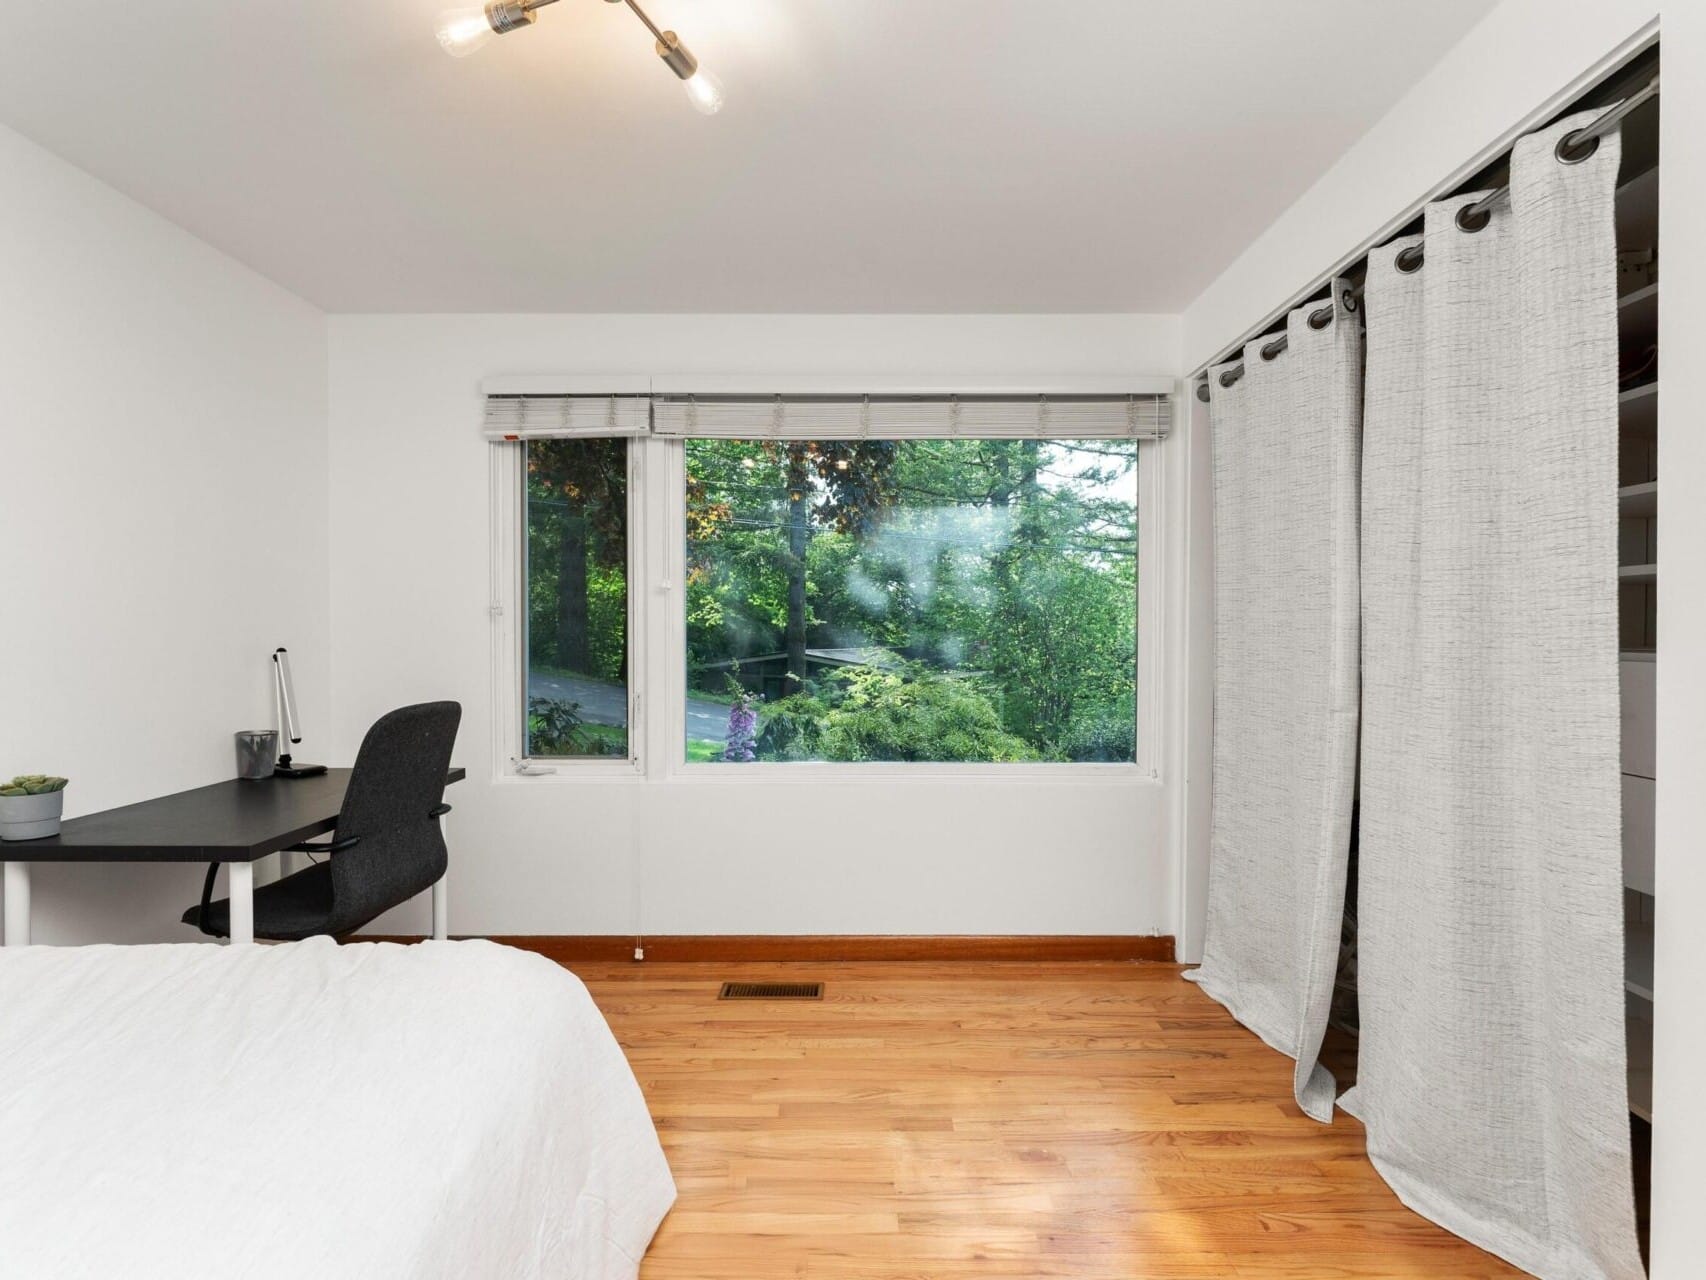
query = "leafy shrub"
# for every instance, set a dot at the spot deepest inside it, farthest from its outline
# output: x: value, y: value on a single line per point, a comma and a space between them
x: 1106, y: 733
x: 792, y: 728
x: 555, y: 728
x: 865, y: 714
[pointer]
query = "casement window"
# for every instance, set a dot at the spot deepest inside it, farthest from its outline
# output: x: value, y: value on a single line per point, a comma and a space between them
x: 575, y: 612
x: 721, y: 586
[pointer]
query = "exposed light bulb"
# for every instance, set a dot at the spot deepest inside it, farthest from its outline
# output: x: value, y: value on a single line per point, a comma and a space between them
x: 462, y: 31
x: 704, y: 91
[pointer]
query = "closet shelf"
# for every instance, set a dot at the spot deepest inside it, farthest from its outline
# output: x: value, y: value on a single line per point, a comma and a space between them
x: 1638, y: 210
x: 1639, y: 299
x: 1638, y: 959
x: 1635, y: 501
x: 1640, y: 1034
x: 1638, y: 410
x: 1638, y: 317
x: 1638, y: 573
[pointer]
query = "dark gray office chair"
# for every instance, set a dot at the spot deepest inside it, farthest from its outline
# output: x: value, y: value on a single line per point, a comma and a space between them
x: 386, y: 847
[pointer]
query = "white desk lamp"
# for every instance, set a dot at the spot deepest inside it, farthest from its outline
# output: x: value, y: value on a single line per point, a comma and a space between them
x: 289, y: 728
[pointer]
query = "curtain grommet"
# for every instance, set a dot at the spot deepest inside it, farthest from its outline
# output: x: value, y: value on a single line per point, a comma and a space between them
x: 1469, y: 221
x: 1409, y: 261
x: 1271, y: 350
x: 1321, y: 317
x: 1570, y: 152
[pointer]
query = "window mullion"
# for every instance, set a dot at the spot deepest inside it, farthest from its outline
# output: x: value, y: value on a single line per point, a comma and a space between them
x: 662, y: 489
x: 638, y: 738
x: 506, y: 600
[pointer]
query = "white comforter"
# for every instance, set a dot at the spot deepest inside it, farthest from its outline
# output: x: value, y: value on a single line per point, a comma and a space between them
x: 311, y: 1111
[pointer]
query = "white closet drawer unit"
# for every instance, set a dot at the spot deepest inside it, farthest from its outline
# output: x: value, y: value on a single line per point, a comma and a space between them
x: 1638, y: 732
x: 1638, y: 833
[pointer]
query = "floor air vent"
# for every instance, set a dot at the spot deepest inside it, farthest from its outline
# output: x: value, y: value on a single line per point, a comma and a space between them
x: 771, y: 991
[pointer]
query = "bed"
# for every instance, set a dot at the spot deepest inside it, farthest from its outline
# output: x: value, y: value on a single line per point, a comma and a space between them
x: 449, y: 1109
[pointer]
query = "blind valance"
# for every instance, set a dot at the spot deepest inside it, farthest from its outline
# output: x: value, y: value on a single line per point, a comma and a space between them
x: 828, y: 417
x: 890, y: 417
x: 523, y: 417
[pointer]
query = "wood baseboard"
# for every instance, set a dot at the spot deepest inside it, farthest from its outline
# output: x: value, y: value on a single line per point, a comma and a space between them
x: 772, y: 948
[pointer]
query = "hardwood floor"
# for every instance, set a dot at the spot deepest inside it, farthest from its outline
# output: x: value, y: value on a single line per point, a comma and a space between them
x: 937, y: 1121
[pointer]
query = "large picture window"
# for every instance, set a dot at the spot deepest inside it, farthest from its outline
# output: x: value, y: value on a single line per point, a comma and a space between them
x: 911, y: 600
x: 577, y: 598
x: 812, y: 584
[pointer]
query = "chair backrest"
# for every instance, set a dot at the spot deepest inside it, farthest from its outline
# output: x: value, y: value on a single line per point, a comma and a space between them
x: 397, y: 780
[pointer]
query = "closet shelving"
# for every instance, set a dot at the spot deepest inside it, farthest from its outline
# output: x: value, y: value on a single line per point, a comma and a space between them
x: 1638, y: 575
x: 1638, y: 411
x: 1638, y: 501
x: 1638, y: 315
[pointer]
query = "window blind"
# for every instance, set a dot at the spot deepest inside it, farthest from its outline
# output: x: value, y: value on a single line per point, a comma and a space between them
x: 521, y: 417
x: 828, y: 417
x: 797, y: 417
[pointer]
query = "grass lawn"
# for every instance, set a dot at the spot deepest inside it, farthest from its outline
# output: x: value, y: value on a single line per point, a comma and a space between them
x: 721, y: 698
x: 699, y: 751
x: 612, y: 734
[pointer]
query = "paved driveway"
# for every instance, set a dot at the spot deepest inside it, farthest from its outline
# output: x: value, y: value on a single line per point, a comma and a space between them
x: 606, y: 703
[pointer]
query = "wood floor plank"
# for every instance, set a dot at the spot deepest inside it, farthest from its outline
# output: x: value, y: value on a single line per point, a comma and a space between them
x: 949, y: 1120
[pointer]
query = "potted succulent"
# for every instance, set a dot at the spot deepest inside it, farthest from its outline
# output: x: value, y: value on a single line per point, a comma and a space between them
x: 30, y: 806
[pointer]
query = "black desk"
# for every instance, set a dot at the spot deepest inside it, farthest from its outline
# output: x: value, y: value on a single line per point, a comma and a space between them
x: 233, y: 822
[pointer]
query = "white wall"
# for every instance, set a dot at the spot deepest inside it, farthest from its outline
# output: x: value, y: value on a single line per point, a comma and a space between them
x: 410, y: 529
x: 160, y: 406
x: 1522, y: 55
x: 1196, y: 746
x: 1520, y: 58
x: 1679, y: 1104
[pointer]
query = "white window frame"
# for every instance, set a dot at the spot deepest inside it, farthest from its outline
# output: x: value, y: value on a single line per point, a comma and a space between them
x: 657, y: 622
x: 508, y: 610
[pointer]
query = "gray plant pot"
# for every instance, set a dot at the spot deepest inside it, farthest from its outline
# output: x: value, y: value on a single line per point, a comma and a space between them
x: 31, y: 817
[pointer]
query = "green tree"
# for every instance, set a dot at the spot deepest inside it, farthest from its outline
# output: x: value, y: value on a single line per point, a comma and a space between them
x: 1008, y: 564
x: 799, y: 486
x: 578, y: 511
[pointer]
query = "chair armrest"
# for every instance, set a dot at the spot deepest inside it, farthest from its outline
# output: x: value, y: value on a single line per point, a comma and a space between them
x: 331, y: 846
x: 438, y: 811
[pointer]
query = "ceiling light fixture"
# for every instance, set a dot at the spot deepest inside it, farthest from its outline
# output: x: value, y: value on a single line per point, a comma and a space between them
x: 462, y: 31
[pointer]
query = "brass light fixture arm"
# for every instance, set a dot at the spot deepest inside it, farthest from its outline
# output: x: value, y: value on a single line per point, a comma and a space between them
x: 675, y: 55
x: 511, y: 15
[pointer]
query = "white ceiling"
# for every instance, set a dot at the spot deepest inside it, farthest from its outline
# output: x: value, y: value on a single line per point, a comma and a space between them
x: 874, y: 155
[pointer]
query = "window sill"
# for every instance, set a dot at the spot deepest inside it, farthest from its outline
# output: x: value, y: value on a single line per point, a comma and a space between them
x: 590, y: 770
x: 726, y: 775
x: 915, y: 774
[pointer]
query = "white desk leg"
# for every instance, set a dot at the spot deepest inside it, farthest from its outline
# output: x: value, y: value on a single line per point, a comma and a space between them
x: 241, y: 885
x: 441, y: 894
x: 17, y: 904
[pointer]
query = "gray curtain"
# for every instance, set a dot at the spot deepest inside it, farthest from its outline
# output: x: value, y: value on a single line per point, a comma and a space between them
x: 1491, y: 1063
x: 1285, y: 683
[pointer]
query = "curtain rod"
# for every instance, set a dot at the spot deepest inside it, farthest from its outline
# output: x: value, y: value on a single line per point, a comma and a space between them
x: 1572, y: 148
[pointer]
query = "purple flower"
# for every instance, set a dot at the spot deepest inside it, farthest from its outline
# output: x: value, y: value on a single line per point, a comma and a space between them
x: 742, y: 738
